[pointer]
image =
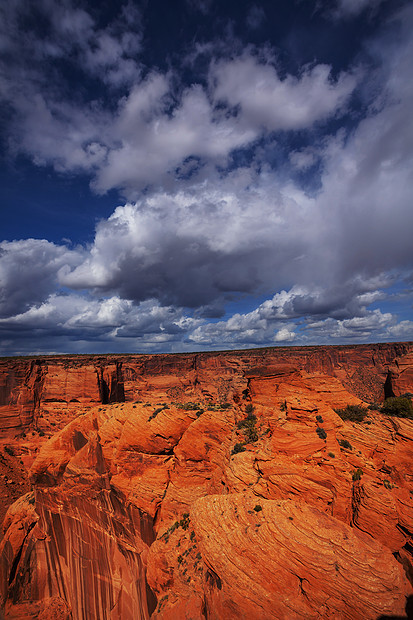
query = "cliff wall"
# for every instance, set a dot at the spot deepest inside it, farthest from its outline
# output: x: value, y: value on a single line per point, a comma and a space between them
x: 31, y: 388
x: 213, y: 485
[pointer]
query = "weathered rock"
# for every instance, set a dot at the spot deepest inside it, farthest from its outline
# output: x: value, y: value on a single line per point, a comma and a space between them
x: 52, y: 388
x: 285, y: 560
x: 146, y: 471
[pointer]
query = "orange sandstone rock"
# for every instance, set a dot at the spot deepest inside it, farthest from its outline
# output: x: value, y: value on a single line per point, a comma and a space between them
x: 285, y: 560
x: 145, y: 508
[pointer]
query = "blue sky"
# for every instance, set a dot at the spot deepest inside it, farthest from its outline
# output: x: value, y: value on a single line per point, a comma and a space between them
x: 203, y: 175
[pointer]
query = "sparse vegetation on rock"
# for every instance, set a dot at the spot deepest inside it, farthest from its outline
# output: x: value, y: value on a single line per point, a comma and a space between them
x: 321, y: 433
x: 248, y: 425
x: 239, y: 447
x: 357, y: 474
x: 399, y: 406
x: 354, y: 413
x: 183, y: 517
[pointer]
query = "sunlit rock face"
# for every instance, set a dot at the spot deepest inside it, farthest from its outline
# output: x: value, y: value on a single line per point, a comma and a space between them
x: 213, y: 485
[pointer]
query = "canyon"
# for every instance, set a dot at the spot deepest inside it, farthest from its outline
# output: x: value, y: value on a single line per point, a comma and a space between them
x: 205, y: 486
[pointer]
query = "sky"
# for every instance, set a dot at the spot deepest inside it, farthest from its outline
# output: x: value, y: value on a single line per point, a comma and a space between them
x: 204, y: 175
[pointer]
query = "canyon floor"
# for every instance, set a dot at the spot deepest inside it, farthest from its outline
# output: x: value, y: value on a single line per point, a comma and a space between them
x: 207, y: 486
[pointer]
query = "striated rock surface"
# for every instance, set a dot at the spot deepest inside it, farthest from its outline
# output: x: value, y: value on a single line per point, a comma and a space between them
x: 199, y: 486
x: 289, y: 560
x: 35, y: 392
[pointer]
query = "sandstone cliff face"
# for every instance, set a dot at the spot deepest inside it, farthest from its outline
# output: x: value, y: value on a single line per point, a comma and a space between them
x: 36, y: 392
x: 207, y: 486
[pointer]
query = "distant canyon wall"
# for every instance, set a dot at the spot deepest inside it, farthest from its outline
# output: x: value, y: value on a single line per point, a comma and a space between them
x: 128, y: 501
x: 32, y: 387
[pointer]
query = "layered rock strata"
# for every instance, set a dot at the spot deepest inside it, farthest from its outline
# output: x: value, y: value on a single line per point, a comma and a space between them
x: 203, y: 486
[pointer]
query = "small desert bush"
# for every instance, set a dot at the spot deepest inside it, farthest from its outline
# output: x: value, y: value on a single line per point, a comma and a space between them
x: 239, y: 447
x: 354, y: 413
x: 190, y: 406
x: 345, y: 444
x: 400, y: 406
x: 218, y: 406
x: 249, y: 429
x: 321, y: 433
x: 357, y: 474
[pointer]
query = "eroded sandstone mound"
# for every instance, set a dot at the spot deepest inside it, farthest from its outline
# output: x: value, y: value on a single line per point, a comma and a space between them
x: 207, y: 486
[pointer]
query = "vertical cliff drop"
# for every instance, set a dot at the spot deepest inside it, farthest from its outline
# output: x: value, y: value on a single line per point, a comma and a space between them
x: 226, y: 487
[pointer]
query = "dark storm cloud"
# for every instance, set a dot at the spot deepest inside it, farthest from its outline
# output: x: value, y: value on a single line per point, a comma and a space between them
x: 107, y: 324
x: 206, y: 230
x: 29, y: 272
x: 139, y: 127
x: 337, y: 312
x: 63, y: 34
x: 197, y: 246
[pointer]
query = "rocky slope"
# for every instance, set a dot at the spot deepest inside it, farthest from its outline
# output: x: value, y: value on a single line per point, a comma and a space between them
x: 203, y: 486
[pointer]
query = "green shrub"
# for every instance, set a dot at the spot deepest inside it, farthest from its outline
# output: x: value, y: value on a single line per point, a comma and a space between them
x: 258, y: 508
x: 388, y: 484
x: 354, y: 413
x: 400, y: 406
x: 187, y: 406
x: 9, y: 450
x: 184, y: 522
x: 345, y: 444
x: 218, y: 406
x: 239, y: 447
x: 357, y: 474
x: 155, y: 413
x: 373, y: 407
x: 321, y: 433
x: 248, y: 428
x: 319, y: 419
x: 249, y: 409
x: 162, y: 601
x: 332, y: 455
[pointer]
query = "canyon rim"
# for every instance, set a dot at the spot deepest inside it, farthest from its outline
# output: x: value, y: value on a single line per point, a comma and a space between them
x: 211, y: 485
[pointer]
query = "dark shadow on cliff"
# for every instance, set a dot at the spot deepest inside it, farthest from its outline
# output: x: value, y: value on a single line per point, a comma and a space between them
x: 409, y: 612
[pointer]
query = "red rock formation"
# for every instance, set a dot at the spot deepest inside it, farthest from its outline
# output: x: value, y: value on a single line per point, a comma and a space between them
x: 143, y: 505
x: 287, y: 560
x: 35, y: 392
